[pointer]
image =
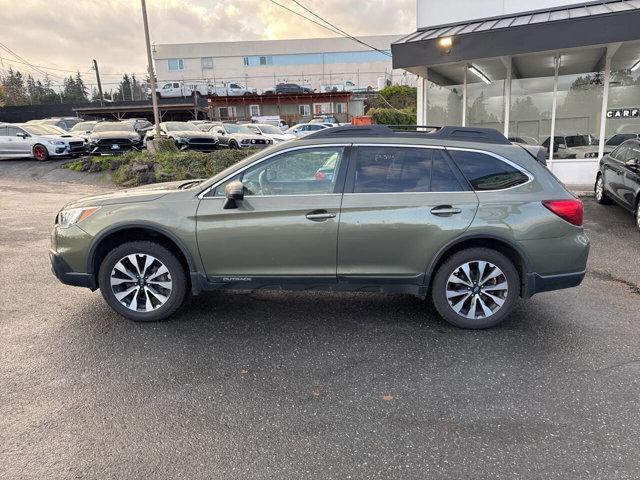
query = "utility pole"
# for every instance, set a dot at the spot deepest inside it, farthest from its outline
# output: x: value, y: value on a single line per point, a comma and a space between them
x: 152, y: 78
x: 95, y: 67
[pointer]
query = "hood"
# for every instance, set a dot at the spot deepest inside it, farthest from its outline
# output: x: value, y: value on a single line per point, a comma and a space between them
x: 283, y: 137
x: 242, y: 136
x: 193, y: 134
x: 145, y: 193
x: 67, y: 138
x: 115, y: 134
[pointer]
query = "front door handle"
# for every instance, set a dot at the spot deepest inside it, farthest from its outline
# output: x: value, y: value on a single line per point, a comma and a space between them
x: 319, y: 215
x: 445, y: 210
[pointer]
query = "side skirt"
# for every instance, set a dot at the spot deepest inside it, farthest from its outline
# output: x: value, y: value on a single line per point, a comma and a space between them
x: 404, y: 285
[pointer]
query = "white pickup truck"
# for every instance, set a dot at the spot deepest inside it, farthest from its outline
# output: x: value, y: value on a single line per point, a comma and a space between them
x: 182, y: 89
x: 230, y: 89
x: 338, y: 87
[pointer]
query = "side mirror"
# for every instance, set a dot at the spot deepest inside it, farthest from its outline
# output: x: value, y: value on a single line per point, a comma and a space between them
x: 220, y: 131
x: 234, y: 192
x: 562, y: 146
x: 22, y: 135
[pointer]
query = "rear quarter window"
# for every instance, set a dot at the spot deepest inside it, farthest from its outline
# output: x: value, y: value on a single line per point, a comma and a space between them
x: 485, y: 172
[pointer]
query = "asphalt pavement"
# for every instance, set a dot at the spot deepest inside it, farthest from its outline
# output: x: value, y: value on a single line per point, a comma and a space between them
x: 276, y: 385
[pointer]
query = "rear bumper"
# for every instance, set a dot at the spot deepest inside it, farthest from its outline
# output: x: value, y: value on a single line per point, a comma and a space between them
x: 539, y: 283
x: 66, y: 275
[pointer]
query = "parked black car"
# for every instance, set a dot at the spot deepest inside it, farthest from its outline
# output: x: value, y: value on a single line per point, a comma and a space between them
x: 283, y: 88
x: 187, y: 136
x: 618, y: 178
x: 114, y: 137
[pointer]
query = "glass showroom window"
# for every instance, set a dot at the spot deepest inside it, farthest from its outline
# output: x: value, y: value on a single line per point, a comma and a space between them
x: 176, y: 64
x: 531, y: 102
x: 623, y: 118
x: 485, y: 94
x: 444, y: 102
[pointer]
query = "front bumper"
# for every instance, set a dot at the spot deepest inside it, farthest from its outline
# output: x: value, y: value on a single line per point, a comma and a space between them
x: 66, y: 275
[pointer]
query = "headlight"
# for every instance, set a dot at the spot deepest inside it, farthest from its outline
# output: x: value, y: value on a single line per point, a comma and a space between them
x: 67, y: 218
x: 181, y: 139
x: 56, y: 142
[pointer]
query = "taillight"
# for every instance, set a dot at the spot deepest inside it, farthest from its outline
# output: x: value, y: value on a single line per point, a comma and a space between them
x: 569, y: 210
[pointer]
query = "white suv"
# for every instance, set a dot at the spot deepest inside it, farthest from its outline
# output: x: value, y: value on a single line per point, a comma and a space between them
x: 37, y: 141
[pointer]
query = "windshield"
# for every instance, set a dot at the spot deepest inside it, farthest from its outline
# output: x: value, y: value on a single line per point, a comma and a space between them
x: 620, y: 137
x: 231, y: 128
x: 179, y: 126
x: 113, y: 127
x: 35, y: 129
x: 83, y: 126
x: 270, y: 130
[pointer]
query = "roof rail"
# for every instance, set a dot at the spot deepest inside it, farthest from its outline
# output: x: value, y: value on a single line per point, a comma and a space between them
x: 463, y: 134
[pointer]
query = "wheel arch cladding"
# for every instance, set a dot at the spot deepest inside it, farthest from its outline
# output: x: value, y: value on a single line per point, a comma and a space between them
x: 131, y: 233
x: 501, y: 245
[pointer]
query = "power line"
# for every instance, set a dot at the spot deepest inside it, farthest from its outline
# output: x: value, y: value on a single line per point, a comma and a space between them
x: 340, y: 30
x: 305, y: 17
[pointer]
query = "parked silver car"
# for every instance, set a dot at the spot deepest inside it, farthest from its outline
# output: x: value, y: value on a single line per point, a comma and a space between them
x: 31, y: 140
x: 239, y: 136
x: 269, y: 131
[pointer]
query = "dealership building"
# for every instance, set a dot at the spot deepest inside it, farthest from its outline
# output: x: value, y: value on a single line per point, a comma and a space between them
x: 262, y: 64
x: 566, y: 73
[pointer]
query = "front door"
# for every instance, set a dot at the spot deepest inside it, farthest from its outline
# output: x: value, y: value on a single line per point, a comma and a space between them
x: 286, y: 225
x: 631, y: 174
x: 614, y: 172
x: 401, y: 205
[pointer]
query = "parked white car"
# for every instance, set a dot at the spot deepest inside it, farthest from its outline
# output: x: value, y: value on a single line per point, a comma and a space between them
x: 302, y: 129
x: 347, y: 86
x: 269, y: 131
x: 231, y: 89
x: 31, y: 140
x: 181, y: 89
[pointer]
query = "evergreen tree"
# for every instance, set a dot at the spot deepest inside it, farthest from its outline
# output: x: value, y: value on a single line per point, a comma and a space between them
x: 15, y: 91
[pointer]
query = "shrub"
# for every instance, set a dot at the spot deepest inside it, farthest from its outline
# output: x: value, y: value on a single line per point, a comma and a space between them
x: 391, y: 116
x: 168, y: 164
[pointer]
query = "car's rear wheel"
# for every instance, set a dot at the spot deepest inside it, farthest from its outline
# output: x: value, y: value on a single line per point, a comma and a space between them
x: 476, y: 288
x: 142, y: 281
x: 233, y: 145
x: 601, y: 195
x: 40, y: 153
x: 638, y: 214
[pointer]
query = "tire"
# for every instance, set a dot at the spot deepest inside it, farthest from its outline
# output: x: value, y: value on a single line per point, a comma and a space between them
x: 233, y: 145
x: 638, y: 214
x: 491, y: 296
x: 161, y: 294
x: 600, y: 193
x: 40, y: 152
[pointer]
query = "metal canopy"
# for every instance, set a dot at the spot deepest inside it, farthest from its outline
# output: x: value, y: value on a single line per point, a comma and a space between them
x: 588, y: 24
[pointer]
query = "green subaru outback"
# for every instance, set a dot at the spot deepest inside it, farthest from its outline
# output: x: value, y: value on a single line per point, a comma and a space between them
x: 460, y: 214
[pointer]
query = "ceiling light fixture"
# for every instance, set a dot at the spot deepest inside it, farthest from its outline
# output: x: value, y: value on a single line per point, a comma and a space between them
x: 445, y: 42
x: 479, y: 74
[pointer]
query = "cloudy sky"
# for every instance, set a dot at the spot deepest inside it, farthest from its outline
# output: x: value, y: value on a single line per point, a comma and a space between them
x: 68, y: 34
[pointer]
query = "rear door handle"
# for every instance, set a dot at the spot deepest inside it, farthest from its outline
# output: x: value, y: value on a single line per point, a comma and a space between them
x: 318, y: 215
x: 445, y: 210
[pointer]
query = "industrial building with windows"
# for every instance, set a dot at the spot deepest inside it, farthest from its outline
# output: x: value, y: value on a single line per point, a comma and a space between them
x: 313, y: 63
x: 566, y: 75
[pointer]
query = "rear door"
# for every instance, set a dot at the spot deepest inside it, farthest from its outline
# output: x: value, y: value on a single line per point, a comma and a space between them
x: 401, y: 206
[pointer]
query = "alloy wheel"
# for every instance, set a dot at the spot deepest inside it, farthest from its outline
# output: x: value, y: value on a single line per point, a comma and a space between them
x: 477, y: 289
x: 599, y: 189
x: 141, y: 282
x: 39, y: 152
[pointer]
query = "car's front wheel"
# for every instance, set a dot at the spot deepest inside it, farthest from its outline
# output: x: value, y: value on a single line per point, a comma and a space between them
x: 638, y: 214
x: 601, y: 195
x: 142, y: 281
x: 40, y: 153
x: 476, y: 288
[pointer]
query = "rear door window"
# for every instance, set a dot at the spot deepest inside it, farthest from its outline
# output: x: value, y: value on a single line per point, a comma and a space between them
x: 402, y: 169
x: 485, y: 172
